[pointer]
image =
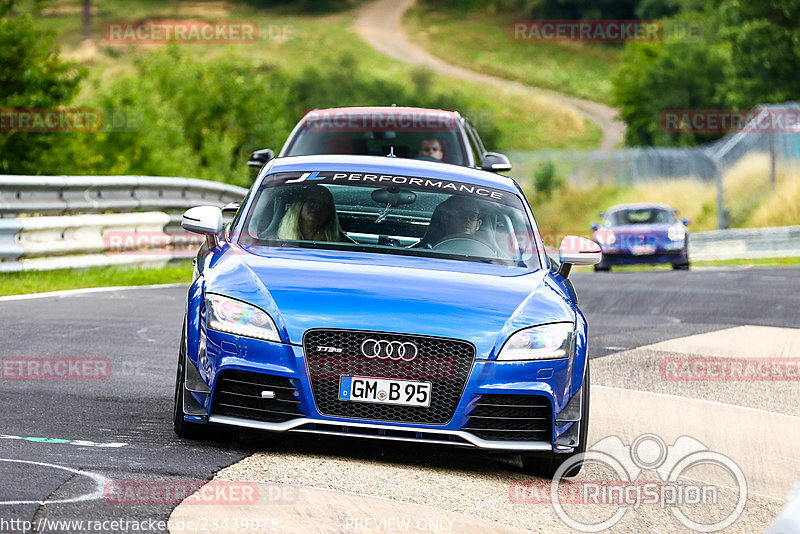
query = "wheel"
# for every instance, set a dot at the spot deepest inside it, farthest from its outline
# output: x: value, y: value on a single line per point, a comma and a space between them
x: 183, y: 428
x: 546, y: 464
x: 467, y: 244
x: 680, y: 266
x: 598, y: 268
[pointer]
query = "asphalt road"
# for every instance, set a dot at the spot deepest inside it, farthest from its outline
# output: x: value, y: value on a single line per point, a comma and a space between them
x: 138, y: 330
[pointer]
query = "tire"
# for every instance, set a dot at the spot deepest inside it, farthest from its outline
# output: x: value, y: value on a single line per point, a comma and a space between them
x: 546, y: 464
x: 598, y: 268
x: 183, y: 428
x: 680, y: 266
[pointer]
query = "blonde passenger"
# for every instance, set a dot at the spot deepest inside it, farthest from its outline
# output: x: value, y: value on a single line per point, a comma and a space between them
x: 312, y: 217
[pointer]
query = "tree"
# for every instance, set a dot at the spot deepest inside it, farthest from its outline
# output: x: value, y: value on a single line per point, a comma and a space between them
x: 33, y: 77
x: 674, y: 74
x: 764, y: 37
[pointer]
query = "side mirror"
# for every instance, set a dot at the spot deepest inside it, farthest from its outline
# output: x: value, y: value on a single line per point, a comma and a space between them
x: 685, y: 221
x: 495, y: 162
x: 576, y: 250
x: 594, y: 226
x: 231, y: 208
x: 229, y: 211
x: 260, y: 157
x: 203, y: 220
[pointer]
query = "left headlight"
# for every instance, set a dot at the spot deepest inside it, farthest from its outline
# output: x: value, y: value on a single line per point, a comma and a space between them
x: 546, y: 342
x: 676, y: 233
x: 236, y: 317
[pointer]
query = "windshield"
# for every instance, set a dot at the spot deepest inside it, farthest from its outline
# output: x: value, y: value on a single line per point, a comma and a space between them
x: 639, y: 216
x: 390, y: 215
x: 434, y: 138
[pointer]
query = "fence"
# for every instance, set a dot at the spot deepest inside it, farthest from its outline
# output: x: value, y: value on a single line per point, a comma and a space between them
x: 708, y: 164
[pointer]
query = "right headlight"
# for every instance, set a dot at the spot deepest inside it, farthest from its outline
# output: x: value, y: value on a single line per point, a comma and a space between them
x: 545, y: 342
x: 676, y: 233
x: 236, y: 317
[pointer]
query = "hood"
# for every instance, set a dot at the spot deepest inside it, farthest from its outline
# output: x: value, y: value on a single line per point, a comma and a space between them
x: 305, y: 288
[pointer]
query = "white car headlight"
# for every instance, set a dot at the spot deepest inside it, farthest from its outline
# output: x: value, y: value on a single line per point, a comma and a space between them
x: 236, y: 317
x: 606, y: 237
x: 546, y: 342
x: 676, y: 233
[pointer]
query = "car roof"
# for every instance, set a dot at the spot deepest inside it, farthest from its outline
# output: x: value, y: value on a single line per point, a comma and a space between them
x: 638, y: 206
x: 395, y: 110
x: 387, y: 165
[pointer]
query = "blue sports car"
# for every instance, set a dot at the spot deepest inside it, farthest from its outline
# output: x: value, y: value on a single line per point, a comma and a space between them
x: 643, y: 233
x: 386, y: 298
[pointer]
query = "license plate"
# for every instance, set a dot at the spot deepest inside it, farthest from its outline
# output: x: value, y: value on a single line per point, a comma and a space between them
x: 641, y: 250
x: 385, y: 391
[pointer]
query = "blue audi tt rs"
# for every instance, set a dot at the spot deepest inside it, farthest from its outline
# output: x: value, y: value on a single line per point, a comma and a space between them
x: 391, y: 299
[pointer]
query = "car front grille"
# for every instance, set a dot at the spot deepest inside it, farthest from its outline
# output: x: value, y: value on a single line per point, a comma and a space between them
x: 331, y: 354
x: 511, y: 418
x: 238, y: 394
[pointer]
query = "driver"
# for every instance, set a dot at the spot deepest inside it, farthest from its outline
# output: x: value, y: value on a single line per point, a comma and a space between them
x: 461, y: 215
x: 431, y: 148
x: 456, y: 215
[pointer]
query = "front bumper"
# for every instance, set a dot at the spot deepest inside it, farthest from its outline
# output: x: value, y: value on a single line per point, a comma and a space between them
x: 549, y: 380
x: 613, y: 256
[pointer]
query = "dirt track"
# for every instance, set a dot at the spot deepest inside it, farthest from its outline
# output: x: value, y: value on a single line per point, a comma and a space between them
x: 380, y: 25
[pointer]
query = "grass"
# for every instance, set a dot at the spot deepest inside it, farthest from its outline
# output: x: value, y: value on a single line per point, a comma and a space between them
x: 481, y: 41
x: 311, y: 40
x: 24, y: 282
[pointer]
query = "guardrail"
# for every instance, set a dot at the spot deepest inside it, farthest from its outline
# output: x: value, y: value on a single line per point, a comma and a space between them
x: 745, y: 243
x: 36, y: 240
x: 61, y: 195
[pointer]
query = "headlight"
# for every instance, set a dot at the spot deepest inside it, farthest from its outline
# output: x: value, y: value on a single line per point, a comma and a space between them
x: 606, y: 237
x: 676, y: 233
x: 235, y: 317
x: 546, y: 342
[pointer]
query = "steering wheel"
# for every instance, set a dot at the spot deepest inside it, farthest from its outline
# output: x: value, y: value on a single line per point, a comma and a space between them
x: 427, y: 158
x: 466, y: 244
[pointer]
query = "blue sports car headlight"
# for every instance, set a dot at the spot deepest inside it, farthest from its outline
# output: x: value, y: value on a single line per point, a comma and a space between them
x: 236, y: 317
x: 546, y: 342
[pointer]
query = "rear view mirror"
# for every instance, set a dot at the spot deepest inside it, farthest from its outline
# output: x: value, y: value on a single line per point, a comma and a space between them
x: 394, y: 196
x: 685, y: 221
x: 594, y: 226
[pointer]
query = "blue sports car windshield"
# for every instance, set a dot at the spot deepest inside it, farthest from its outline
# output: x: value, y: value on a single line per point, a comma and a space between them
x: 639, y: 216
x: 381, y: 214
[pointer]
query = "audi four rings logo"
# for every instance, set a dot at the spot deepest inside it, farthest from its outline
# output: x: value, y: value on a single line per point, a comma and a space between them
x: 393, y: 350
